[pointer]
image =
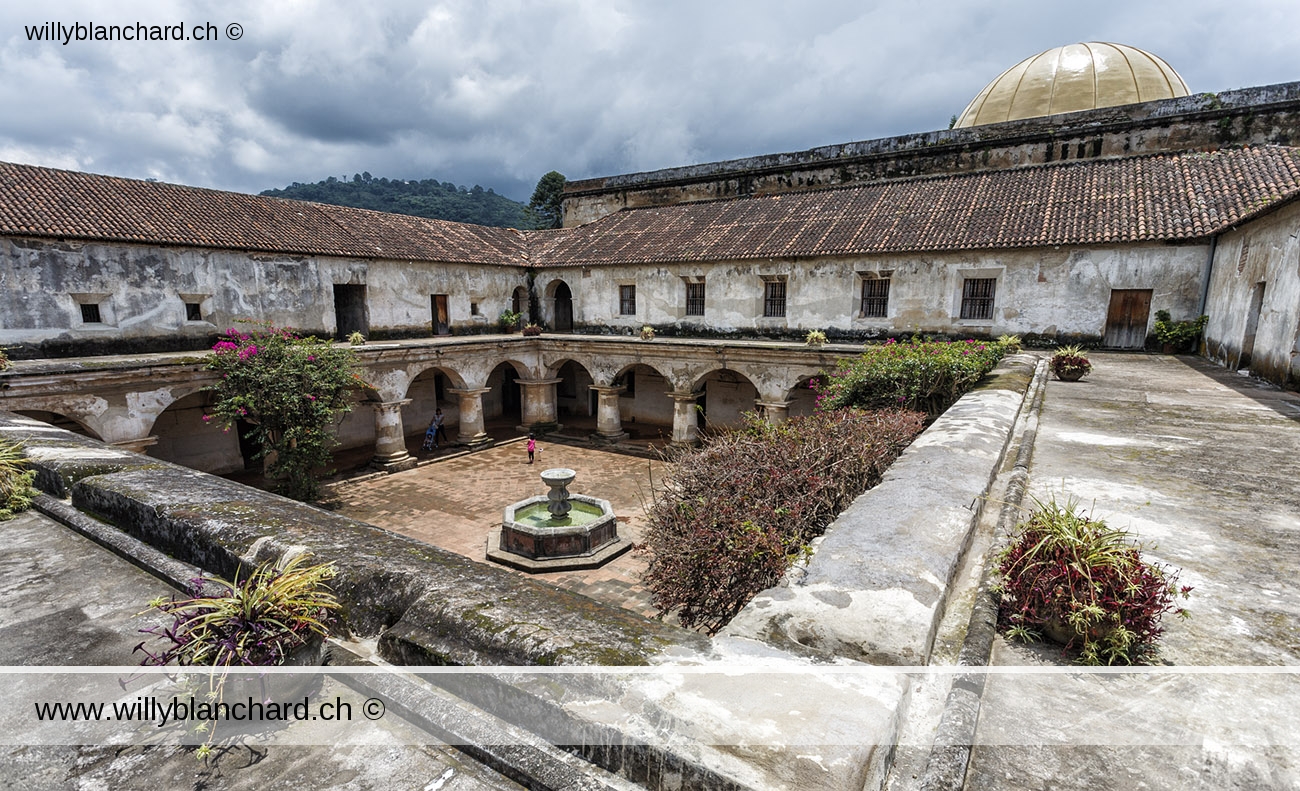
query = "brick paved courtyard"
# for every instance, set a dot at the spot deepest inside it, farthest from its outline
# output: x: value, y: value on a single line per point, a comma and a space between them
x: 454, y: 504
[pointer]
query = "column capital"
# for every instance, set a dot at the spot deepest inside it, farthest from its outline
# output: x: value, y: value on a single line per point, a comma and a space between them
x: 389, y: 404
x: 685, y: 395
x: 775, y: 404
x: 137, y: 445
x: 607, y: 389
x: 539, y: 382
x: 465, y: 392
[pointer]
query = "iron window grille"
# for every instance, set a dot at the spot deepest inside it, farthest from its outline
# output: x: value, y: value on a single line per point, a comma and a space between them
x: 875, y: 298
x: 977, y: 298
x: 694, y: 299
x: 774, y: 299
x: 90, y: 313
x: 627, y: 300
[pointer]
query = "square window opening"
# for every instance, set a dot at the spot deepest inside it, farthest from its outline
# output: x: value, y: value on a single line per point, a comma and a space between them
x: 875, y: 298
x: 90, y: 313
x: 977, y: 295
x: 193, y: 311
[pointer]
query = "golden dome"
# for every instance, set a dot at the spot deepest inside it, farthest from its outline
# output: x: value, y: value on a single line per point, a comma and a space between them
x: 1071, y: 78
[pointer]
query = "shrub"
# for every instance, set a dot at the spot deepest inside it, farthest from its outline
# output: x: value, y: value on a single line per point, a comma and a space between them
x: 509, y: 320
x: 1010, y: 344
x: 927, y: 376
x: 1069, y: 363
x: 290, y: 389
x: 1071, y: 578
x: 258, y: 620
x: 15, y: 480
x: 532, y: 329
x: 735, y: 513
x: 1177, y: 333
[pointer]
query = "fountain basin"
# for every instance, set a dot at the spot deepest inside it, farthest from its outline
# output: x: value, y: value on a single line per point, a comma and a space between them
x: 533, y: 537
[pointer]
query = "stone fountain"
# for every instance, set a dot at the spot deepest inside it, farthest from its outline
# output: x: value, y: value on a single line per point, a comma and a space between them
x: 557, y: 531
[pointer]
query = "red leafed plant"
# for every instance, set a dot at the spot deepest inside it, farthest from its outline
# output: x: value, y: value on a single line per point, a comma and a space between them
x: 1072, y: 579
x: 734, y: 514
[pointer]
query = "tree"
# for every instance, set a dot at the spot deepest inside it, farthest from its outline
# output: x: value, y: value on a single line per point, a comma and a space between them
x: 290, y: 389
x: 544, y: 210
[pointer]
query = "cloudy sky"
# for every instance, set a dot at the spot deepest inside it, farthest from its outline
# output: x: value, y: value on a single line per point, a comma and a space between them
x: 498, y: 93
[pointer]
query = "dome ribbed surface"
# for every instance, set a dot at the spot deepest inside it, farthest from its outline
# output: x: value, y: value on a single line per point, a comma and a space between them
x: 1073, y: 78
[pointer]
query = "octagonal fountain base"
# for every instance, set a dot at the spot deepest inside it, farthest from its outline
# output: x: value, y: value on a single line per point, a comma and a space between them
x: 558, y: 531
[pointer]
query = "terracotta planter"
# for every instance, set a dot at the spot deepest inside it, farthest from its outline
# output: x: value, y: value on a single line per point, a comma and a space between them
x: 1069, y: 375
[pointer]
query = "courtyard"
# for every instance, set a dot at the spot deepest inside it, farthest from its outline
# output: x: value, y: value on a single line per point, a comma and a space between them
x: 455, y: 502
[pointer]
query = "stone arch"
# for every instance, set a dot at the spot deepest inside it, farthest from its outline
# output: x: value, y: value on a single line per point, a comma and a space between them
x: 77, y: 424
x: 504, y: 399
x: 519, y: 304
x: 558, y: 307
x: 428, y: 391
x: 646, y: 398
x: 185, y: 438
x: 800, y: 396
x: 725, y: 394
x: 573, y: 393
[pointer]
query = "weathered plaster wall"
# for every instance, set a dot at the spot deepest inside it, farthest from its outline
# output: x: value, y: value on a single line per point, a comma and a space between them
x: 1248, y: 116
x: 1053, y: 292
x: 141, y: 291
x: 1264, y: 252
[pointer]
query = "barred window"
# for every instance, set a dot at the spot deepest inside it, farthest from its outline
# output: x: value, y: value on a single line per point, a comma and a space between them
x: 977, y: 298
x: 193, y: 311
x: 875, y: 297
x: 627, y: 300
x: 694, y: 299
x: 90, y: 313
x: 774, y: 299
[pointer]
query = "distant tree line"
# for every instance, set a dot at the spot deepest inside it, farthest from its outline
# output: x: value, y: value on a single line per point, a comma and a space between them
x: 427, y: 198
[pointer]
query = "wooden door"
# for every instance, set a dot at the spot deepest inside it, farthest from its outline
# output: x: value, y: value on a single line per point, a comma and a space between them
x: 441, y: 318
x: 1126, y: 321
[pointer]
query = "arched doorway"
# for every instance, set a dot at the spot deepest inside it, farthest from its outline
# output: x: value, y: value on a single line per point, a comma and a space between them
x: 803, y: 399
x: 428, y: 393
x: 563, y: 308
x: 573, y: 394
x: 503, y: 403
x: 727, y: 395
x: 185, y: 438
x: 644, y: 406
x: 519, y: 304
x: 59, y: 421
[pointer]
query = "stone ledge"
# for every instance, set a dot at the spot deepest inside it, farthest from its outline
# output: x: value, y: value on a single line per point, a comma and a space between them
x: 876, y: 586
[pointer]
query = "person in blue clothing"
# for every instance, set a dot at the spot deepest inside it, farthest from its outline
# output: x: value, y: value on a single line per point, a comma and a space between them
x: 435, y: 429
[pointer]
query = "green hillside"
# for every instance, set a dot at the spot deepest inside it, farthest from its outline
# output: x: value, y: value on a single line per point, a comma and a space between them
x: 427, y: 198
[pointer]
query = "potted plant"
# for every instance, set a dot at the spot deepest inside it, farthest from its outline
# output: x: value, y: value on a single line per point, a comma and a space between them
x: 1176, y: 336
x: 647, y: 333
x: 532, y: 329
x: 509, y: 320
x: 1074, y: 580
x: 357, y: 339
x: 815, y: 338
x: 1070, y: 364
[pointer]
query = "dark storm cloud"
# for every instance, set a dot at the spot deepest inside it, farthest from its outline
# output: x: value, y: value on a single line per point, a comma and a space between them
x: 497, y: 93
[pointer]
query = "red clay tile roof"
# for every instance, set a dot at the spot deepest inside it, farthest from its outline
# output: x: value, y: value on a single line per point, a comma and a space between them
x: 37, y: 201
x: 1137, y: 199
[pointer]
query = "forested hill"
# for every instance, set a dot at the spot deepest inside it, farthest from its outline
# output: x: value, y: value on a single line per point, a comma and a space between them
x: 428, y: 198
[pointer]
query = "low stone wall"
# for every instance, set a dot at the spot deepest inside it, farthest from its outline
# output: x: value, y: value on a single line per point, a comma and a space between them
x: 875, y: 589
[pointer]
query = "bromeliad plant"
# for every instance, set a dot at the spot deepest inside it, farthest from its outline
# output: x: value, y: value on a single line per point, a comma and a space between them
x: 291, y: 390
x: 15, y: 480
x: 1070, y: 364
x: 258, y: 620
x: 1075, y: 580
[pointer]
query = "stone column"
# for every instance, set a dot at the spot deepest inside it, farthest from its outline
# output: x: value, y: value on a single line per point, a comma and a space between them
x: 390, y: 439
x: 471, y: 417
x: 608, y: 423
x: 775, y: 411
x: 685, y: 417
x: 137, y: 445
x: 539, y: 412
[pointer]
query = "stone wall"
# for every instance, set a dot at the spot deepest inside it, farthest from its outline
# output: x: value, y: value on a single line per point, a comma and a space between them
x: 141, y: 293
x: 1248, y: 116
x: 1253, y: 299
x: 1048, y: 293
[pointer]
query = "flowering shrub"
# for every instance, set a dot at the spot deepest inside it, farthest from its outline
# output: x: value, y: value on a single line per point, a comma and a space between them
x: 291, y: 390
x: 1075, y: 580
x: 735, y: 513
x: 1069, y: 363
x: 927, y: 376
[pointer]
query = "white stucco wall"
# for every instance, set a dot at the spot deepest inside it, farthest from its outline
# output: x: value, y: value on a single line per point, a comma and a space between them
x: 1044, y: 291
x: 1263, y: 252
